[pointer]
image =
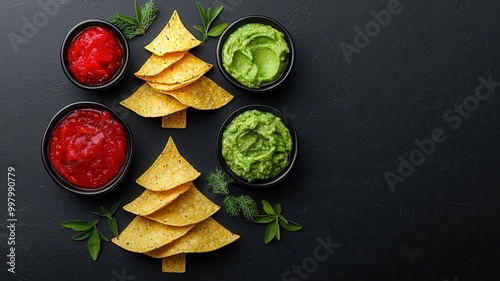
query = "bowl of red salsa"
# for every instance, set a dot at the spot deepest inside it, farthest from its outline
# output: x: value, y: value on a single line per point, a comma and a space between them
x: 87, y: 148
x: 95, y: 55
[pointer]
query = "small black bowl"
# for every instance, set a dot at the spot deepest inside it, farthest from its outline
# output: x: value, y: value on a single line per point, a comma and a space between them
x: 291, y: 158
x: 263, y: 20
x: 57, y: 177
x: 74, y: 32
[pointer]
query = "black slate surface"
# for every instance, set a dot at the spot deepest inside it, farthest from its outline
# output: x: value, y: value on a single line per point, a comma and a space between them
x: 361, y: 117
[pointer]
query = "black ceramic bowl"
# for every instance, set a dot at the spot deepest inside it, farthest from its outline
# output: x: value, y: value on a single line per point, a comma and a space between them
x: 74, y: 32
x: 263, y: 20
x: 291, y: 158
x: 58, y: 178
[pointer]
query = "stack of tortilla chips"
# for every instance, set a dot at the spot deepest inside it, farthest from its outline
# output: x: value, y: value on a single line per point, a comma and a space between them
x: 174, y: 79
x: 172, y: 216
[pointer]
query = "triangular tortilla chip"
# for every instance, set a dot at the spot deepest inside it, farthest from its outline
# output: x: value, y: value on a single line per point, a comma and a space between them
x: 143, y: 235
x: 189, y: 208
x: 156, y: 64
x: 206, y: 236
x: 169, y: 170
x: 150, y: 201
x: 203, y: 94
x: 186, y: 69
x: 176, y: 120
x: 174, y: 264
x: 146, y: 102
x: 173, y: 38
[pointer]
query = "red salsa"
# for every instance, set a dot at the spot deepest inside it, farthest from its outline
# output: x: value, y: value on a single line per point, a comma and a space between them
x: 95, y: 55
x: 88, y: 147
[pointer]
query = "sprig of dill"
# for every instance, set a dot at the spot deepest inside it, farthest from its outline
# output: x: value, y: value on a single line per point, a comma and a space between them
x: 218, y: 182
x: 132, y: 27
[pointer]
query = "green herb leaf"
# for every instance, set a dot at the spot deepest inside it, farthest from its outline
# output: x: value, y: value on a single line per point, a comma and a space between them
x: 267, y: 207
x: 203, y: 14
x: 132, y: 27
x: 128, y: 19
x: 208, y: 16
x: 282, y: 218
x: 215, y: 13
x: 103, y: 237
x: 277, y: 209
x: 264, y: 219
x: 199, y: 28
x: 290, y: 225
x: 270, y: 232
x: 232, y: 206
x: 218, y: 182
x: 79, y: 225
x: 83, y: 235
x: 248, y: 207
x: 113, y: 225
x: 94, y: 244
x: 217, y: 30
x: 278, y: 235
x: 114, y: 208
x: 138, y: 13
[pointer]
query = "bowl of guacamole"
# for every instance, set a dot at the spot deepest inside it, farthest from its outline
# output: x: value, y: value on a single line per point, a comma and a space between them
x: 257, y: 145
x: 255, y: 54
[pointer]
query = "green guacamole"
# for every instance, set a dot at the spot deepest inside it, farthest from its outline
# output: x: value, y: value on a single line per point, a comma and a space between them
x: 256, y: 145
x: 255, y: 54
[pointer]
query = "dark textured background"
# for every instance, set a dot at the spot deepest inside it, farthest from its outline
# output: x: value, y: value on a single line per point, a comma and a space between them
x: 354, y: 121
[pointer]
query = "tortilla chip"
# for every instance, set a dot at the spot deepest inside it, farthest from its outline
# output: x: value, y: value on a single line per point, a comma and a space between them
x: 150, y: 201
x: 143, y: 235
x: 189, y: 208
x: 174, y: 264
x: 206, y: 236
x: 203, y: 94
x: 176, y: 120
x: 188, y: 68
x: 173, y: 38
x: 146, y: 102
x: 170, y: 87
x: 169, y: 170
x: 156, y: 64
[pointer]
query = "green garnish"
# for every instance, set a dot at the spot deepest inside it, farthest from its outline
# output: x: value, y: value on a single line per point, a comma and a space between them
x: 242, y: 204
x: 144, y: 18
x: 89, y: 229
x: 218, y: 182
x: 275, y: 219
x: 113, y: 224
x: 208, y: 16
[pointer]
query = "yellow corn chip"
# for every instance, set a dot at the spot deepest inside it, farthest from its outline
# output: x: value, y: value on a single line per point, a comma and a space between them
x: 206, y: 236
x: 146, y: 102
x: 189, y: 208
x: 174, y: 264
x: 143, y: 235
x: 188, y: 68
x: 170, y: 87
x: 173, y: 38
x: 203, y: 94
x: 156, y: 64
x: 150, y: 201
x: 169, y: 170
x: 176, y: 120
